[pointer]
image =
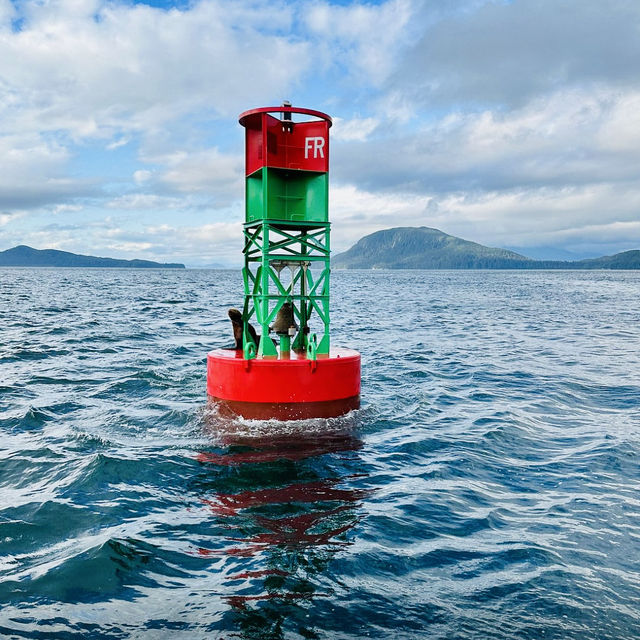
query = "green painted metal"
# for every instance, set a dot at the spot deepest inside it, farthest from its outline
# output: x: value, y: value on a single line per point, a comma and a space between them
x: 287, y: 261
x: 285, y: 344
x: 286, y: 233
x: 280, y: 194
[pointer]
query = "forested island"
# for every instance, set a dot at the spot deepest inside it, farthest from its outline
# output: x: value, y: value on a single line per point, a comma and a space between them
x: 24, y: 256
x: 427, y: 248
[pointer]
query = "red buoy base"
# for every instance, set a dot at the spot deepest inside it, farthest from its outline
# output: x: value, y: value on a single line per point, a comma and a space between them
x: 287, y: 410
x: 287, y: 387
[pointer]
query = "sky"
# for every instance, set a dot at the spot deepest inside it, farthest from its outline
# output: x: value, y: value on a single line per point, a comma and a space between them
x: 513, y: 123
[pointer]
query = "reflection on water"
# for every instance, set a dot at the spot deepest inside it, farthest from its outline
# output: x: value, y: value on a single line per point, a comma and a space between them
x: 287, y: 507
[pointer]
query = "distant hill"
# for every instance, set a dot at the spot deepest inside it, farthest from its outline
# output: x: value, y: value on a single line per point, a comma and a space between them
x: 426, y: 248
x: 624, y: 260
x: 23, y: 256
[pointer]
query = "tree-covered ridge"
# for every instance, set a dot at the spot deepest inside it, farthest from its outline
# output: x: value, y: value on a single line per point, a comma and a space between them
x: 23, y: 256
x: 427, y: 248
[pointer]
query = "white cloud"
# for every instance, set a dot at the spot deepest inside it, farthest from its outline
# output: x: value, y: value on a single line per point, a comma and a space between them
x: 137, y: 67
x: 355, y: 213
x: 32, y: 173
x: 208, y: 171
x: 6, y: 218
x: 145, y: 201
x: 540, y: 212
x: 509, y: 123
x: 7, y: 14
x: 116, y: 144
x: 77, y: 70
x: 364, y: 39
x: 202, y: 244
x: 522, y: 218
x: 66, y: 208
x: 136, y: 248
x: 218, y: 242
x: 141, y: 176
x: 354, y: 129
x: 565, y: 139
x: 621, y: 132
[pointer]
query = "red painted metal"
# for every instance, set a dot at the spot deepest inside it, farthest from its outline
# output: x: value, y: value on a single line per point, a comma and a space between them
x: 283, y: 144
x: 292, y: 388
x: 282, y: 109
x: 288, y: 410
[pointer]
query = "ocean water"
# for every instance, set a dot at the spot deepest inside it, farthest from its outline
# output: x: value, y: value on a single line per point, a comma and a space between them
x: 488, y: 488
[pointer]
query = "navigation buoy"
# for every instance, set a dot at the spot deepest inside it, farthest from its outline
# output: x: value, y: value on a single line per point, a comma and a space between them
x: 288, y: 371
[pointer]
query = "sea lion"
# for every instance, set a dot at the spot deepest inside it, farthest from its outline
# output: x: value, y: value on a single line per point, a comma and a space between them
x: 236, y: 321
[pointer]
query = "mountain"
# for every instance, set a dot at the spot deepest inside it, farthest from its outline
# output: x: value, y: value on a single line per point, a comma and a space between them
x: 624, y: 260
x: 553, y: 253
x: 23, y: 256
x: 214, y: 265
x: 426, y: 248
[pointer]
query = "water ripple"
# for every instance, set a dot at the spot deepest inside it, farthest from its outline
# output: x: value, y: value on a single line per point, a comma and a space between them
x: 488, y: 487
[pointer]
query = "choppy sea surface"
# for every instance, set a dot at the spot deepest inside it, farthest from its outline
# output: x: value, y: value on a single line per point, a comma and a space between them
x: 489, y: 487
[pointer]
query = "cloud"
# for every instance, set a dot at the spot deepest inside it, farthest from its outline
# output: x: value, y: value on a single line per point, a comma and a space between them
x: 141, y: 176
x: 6, y: 218
x: 620, y: 133
x: 138, y: 77
x: 66, y: 208
x: 355, y: 129
x: 506, y: 53
x: 579, y: 218
x: 120, y: 142
x: 7, y: 14
x: 145, y: 201
x: 219, y: 242
x: 566, y: 139
x: 32, y: 173
x: 93, y: 68
x: 513, y: 123
x: 355, y: 212
x: 510, y: 123
x: 208, y: 171
x: 362, y: 39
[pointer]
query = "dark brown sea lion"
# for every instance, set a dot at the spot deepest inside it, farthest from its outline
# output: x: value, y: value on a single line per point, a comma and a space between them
x: 236, y: 321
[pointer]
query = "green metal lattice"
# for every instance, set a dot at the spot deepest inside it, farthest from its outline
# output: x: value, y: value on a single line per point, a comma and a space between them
x: 301, y: 248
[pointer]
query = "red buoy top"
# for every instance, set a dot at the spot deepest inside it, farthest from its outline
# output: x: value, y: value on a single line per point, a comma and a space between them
x: 245, y: 117
x: 285, y: 144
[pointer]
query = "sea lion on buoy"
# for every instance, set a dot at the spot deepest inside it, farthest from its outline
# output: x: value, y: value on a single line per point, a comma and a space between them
x: 236, y: 321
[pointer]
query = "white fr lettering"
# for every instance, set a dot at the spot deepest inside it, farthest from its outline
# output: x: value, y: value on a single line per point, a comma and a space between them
x: 317, y: 143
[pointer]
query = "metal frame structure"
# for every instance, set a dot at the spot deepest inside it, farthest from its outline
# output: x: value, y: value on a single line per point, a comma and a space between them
x: 302, y: 249
x: 286, y: 231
